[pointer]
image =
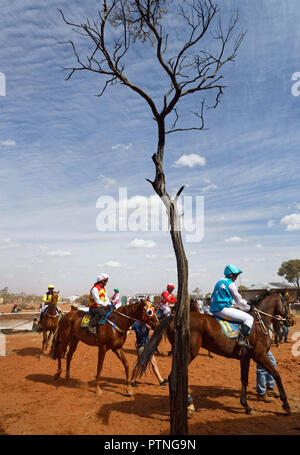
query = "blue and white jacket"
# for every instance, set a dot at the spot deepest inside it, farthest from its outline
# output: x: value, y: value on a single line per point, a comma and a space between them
x: 226, y: 294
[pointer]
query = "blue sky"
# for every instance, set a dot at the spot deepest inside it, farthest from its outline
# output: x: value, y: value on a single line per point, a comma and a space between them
x: 62, y: 148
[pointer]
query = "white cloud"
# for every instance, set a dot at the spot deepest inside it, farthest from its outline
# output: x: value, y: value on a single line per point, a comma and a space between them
x: 122, y: 146
x: 141, y: 243
x: 270, y: 223
x: 58, y: 253
x: 190, y: 160
x: 8, y: 143
x: 259, y: 245
x: 7, y: 243
x: 292, y: 222
x: 107, y: 182
x: 234, y: 240
x: 113, y: 264
x: 150, y: 256
x: 209, y: 187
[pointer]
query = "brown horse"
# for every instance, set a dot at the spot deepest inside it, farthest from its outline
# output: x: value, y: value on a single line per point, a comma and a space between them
x: 206, y: 332
x: 111, y: 335
x: 49, y: 321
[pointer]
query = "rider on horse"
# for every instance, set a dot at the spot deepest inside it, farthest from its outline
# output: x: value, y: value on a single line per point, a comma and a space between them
x: 224, y: 295
x: 47, y: 299
x: 116, y: 300
x: 167, y: 300
x: 99, y: 303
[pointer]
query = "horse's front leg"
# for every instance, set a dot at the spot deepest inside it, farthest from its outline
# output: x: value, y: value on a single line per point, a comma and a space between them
x: 44, y: 343
x: 72, y: 349
x: 48, y: 340
x: 120, y: 354
x: 245, y: 363
x: 266, y: 363
x: 191, y: 408
x: 101, y: 355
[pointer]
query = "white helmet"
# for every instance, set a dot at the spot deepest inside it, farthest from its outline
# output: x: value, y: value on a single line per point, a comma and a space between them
x: 102, y: 277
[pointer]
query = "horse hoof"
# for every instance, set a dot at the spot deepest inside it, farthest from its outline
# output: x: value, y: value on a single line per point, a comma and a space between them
x: 190, y: 414
x: 99, y: 392
x: 57, y: 375
x: 191, y: 411
x: 129, y: 392
x: 67, y: 375
x: 287, y: 409
x: 250, y: 412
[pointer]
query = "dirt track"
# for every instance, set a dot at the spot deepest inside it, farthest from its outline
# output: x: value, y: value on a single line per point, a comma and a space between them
x: 33, y: 403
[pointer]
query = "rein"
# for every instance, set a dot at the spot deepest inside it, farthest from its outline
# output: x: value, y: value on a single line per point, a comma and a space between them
x: 269, y: 315
x: 51, y: 315
x: 128, y: 317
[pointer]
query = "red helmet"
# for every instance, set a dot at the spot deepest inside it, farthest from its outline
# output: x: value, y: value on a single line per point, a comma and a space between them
x: 171, y: 286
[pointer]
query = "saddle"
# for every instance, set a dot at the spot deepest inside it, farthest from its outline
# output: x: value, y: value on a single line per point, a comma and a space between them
x: 87, y: 317
x: 230, y: 329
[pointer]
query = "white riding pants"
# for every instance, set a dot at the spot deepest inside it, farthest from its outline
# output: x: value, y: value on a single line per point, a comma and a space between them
x: 233, y: 314
x: 165, y: 309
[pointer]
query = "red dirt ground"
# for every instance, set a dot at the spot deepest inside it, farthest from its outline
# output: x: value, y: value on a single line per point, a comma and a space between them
x: 33, y: 403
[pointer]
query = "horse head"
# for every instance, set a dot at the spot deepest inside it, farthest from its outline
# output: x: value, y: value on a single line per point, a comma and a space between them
x: 193, y: 305
x: 148, y: 315
x: 286, y: 299
x: 274, y: 303
x: 55, y: 296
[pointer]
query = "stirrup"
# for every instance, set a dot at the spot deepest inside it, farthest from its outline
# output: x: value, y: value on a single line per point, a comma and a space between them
x: 242, y: 342
x: 92, y: 329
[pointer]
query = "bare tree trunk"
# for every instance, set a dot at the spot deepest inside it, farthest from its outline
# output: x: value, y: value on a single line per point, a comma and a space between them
x: 179, y: 375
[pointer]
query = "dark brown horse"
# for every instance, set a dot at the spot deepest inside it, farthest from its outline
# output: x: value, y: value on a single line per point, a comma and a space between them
x: 49, y: 321
x: 111, y: 335
x: 206, y: 332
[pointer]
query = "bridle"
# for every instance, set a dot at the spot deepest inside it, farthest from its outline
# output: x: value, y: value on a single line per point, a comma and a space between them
x: 263, y: 324
x: 143, y: 321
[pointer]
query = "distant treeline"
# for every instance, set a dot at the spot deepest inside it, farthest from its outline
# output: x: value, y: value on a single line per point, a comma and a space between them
x: 24, y: 300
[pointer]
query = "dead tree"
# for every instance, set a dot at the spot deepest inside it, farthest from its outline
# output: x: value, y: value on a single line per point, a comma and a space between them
x: 190, y: 71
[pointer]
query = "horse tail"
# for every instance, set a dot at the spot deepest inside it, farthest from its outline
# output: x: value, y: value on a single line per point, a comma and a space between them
x: 150, y: 347
x: 55, y: 345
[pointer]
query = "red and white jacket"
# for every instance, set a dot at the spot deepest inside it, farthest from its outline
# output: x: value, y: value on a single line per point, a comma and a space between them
x: 167, y: 301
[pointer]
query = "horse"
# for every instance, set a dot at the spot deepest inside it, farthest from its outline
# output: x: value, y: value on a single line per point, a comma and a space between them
x: 278, y: 329
x: 49, y: 321
x: 205, y: 331
x: 111, y: 335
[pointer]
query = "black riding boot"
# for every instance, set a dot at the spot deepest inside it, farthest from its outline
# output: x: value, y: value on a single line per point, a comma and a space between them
x: 243, y: 337
x: 97, y: 315
x: 93, y: 323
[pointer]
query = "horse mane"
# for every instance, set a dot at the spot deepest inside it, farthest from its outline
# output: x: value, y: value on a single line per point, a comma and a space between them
x: 255, y: 301
x: 127, y: 309
x: 194, y: 306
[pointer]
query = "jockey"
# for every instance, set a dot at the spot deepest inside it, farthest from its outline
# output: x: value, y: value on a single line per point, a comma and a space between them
x: 115, y: 300
x: 98, y: 302
x: 47, y: 299
x: 221, y: 305
x: 167, y: 300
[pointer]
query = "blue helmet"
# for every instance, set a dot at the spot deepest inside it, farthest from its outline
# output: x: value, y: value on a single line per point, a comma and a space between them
x: 232, y: 269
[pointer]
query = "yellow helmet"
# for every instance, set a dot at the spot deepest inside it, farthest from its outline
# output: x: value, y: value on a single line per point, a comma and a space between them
x: 51, y: 286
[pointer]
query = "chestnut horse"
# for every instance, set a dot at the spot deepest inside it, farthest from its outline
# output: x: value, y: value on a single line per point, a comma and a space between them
x: 206, y: 332
x: 111, y: 335
x: 49, y: 321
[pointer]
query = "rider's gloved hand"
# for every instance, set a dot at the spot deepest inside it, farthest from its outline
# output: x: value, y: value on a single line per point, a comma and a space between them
x: 252, y: 307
